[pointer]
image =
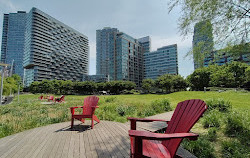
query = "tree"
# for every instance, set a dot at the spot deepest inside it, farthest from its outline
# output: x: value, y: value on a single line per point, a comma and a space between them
x: 222, y: 78
x: 148, y: 84
x: 165, y: 82
x: 238, y: 71
x: 179, y: 83
x: 230, y: 18
x: 199, y: 78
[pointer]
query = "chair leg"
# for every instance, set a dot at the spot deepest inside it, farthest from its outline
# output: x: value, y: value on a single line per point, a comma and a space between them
x: 92, y: 123
x: 82, y: 120
x: 72, y: 122
x: 96, y: 119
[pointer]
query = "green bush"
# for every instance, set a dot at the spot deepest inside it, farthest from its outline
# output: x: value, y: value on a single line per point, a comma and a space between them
x: 212, y: 134
x: 220, y: 104
x: 211, y: 119
x: 123, y: 110
x: 237, y: 125
x: 234, y: 149
x: 160, y: 106
x: 110, y: 99
x: 200, y: 148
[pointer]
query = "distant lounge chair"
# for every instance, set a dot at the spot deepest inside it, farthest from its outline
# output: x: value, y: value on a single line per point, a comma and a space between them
x: 148, y: 144
x: 61, y: 99
x: 89, y: 106
x: 51, y: 98
x: 40, y: 98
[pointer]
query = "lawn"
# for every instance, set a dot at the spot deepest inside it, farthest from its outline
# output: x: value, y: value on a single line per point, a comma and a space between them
x: 30, y: 113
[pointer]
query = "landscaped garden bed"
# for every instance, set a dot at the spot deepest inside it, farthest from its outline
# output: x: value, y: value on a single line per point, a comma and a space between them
x: 224, y: 129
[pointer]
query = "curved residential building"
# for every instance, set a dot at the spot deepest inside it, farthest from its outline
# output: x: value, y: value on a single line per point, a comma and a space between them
x: 53, y: 50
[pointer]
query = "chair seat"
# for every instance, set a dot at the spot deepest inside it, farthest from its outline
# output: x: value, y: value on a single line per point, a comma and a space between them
x: 152, y: 148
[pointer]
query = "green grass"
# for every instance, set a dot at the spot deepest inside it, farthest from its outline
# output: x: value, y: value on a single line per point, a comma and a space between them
x: 30, y: 113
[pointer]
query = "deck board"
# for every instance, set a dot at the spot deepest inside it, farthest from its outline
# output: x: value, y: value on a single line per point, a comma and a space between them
x: 107, y: 139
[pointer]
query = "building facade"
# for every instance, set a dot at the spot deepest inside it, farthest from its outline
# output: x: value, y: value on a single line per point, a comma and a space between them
x: 53, y: 50
x: 162, y: 61
x: 145, y: 42
x: 95, y: 78
x: 224, y: 58
x: 13, y: 40
x: 119, y: 56
x: 105, y: 45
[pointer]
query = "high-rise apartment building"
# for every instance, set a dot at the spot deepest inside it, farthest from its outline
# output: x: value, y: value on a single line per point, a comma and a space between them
x: 145, y: 42
x: 105, y: 39
x: 53, y: 50
x: 224, y: 58
x: 202, y: 42
x: 119, y: 56
x: 13, y: 40
x: 162, y: 61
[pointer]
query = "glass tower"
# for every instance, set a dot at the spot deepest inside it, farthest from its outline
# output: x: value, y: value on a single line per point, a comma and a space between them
x: 160, y: 62
x: 105, y: 39
x: 13, y: 40
x: 119, y: 56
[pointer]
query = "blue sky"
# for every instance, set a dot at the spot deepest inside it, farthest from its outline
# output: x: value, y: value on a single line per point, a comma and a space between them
x: 137, y: 18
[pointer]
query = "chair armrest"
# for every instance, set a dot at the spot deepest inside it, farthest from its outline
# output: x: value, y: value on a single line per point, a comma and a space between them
x: 134, y: 120
x: 76, y: 107
x: 145, y: 119
x: 159, y: 136
x: 72, y: 109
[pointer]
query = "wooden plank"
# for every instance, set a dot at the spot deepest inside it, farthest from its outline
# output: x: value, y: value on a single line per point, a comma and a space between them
x: 101, y: 139
x: 57, y: 149
x: 44, y: 144
x: 86, y: 144
x: 118, y: 139
x: 30, y: 147
x: 17, y: 144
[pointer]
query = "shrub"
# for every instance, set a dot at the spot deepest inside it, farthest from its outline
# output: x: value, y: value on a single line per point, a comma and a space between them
x: 123, y: 110
x: 212, y: 134
x: 110, y: 99
x: 211, y: 119
x: 219, y: 104
x: 160, y: 106
x: 200, y: 148
x: 237, y: 125
x: 234, y: 149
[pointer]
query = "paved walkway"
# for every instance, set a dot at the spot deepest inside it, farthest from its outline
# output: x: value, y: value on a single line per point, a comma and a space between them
x: 107, y: 139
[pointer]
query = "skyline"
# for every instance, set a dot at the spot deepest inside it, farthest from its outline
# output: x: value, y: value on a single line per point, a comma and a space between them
x: 151, y: 19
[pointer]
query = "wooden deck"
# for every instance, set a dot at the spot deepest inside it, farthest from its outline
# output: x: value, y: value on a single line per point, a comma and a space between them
x: 107, y: 139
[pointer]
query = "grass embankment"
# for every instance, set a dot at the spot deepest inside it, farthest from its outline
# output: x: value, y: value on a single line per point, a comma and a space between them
x: 30, y: 113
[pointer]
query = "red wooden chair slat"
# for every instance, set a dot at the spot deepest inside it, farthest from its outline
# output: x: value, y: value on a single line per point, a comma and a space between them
x: 186, y: 114
x: 89, y: 106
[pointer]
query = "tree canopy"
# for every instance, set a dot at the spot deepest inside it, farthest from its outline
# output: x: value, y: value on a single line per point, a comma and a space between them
x: 230, y: 18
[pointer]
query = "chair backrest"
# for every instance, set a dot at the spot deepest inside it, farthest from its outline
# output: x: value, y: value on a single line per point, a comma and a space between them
x: 90, y: 102
x: 61, y: 99
x: 51, y: 98
x: 186, y: 114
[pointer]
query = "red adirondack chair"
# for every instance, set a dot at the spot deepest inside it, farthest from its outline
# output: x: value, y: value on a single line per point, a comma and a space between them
x: 40, y: 98
x: 61, y: 99
x: 148, y: 144
x: 89, y: 106
x: 51, y: 98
